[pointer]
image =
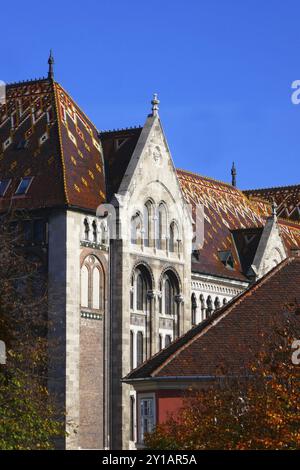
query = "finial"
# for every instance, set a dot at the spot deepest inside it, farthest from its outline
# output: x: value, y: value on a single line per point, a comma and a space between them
x: 51, y: 62
x: 155, y: 102
x: 274, y: 209
x: 233, y: 175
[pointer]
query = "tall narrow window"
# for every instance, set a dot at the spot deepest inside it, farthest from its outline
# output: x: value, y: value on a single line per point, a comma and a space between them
x: 131, y: 350
x: 84, y: 286
x: 147, y: 417
x: 96, y: 289
x: 160, y: 342
x: 169, y: 301
x: 217, y: 303
x: 140, y: 292
x: 161, y: 229
x: 173, y: 241
x: 132, y: 417
x: 139, y: 348
x: 168, y: 340
x: 136, y: 229
x: 147, y: 223
x: 132, y: 293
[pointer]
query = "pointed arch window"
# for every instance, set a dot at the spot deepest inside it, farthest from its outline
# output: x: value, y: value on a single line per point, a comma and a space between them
x: 136, y: 229
x: 173, y: 241
x: 92, y: 284
x: 161, y: 226
x: 140, y: 348
x: 148, y: 218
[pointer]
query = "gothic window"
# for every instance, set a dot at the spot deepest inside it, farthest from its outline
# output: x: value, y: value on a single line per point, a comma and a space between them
x: 194, y: 308
x: 169, y: 298
x: 139, y: 348
x: 131, y: 349
x: 160, y: 342
x: 136, y: 229
x: 161, y: 226
x: 148, y: 217
x: 141, y: 292
x: 92, y: 284
x: 173, y: 243
x: 84, y: 286
x: 168, y: 340
x: 224, y: 301
x: 132, y: 417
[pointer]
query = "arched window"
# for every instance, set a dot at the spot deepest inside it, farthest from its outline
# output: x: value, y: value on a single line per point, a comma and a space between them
x: 96, y: 289
x: 224, y: 301
x: 160, y: 342
x: 148, y: 218
x: 139, y: 348
x: 194, y: 308
x: 169, y: 289
x: 141, y: 291
x: 169, y: 297
x: 141, y: 283
x: 92, y: 284
x: 131, y: 349
x: 173, y: 241
x: 168, y: 340
x: 209, y: 304
x: 136, y: 229
x: 161, y: 227
x: 217, y: 303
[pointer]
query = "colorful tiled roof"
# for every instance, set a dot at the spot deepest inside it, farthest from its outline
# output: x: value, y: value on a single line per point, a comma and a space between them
x: 44, y: 135
x: 286, y: 197
x: 232, y: 222
x: 233, y: 335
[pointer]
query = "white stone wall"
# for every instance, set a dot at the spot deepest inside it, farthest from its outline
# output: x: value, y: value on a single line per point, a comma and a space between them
x: 204, y: 286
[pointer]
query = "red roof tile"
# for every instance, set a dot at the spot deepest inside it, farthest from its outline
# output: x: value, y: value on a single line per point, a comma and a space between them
x: 233, y: 335
x: 45, y: 135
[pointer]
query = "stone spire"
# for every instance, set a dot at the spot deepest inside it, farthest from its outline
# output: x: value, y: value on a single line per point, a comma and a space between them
x: 50, y: 70
x: 233, y: 175
x: 155, y: 102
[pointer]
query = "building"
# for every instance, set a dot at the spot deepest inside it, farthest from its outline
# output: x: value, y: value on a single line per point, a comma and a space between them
x: 225, y: 343
x: 114, y: 221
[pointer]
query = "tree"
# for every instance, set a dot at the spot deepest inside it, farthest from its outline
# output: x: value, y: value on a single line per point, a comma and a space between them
x: 28, y: 416
x: 261, y: 411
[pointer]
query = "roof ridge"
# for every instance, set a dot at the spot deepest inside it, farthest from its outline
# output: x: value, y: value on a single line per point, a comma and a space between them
x: 273, y: 187
x: 26, y: 82
x: 219, y: 315
x: 206, y: 177
x: 110, y: 131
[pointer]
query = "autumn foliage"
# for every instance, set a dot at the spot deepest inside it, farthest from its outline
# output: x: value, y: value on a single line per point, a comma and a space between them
x: 260, y: 410
x: 28, y: 419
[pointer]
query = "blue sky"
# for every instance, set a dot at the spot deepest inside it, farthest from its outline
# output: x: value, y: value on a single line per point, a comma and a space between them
x: 223, y: 70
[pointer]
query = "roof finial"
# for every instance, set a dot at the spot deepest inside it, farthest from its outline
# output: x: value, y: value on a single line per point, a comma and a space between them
x: 51, y: 62
x: 274, y: 209
x: 155, y: 102
x: 233, y: 175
